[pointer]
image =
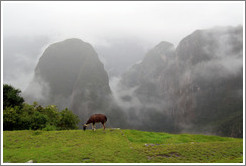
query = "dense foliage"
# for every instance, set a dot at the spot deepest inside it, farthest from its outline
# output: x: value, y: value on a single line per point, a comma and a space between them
x: 18, y: 115
x: 11, y: 96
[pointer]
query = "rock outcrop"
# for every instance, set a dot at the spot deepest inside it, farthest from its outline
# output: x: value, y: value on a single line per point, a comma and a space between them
x: 197, y: 87
x: 70, y: 74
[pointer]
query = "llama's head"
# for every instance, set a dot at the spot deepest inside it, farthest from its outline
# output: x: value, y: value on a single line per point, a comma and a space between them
x: 84, y: 127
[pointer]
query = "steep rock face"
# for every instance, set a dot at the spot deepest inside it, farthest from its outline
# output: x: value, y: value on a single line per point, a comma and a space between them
x: 151, y: 82
x: 211, y: 89
x: 70, y: 74
x: 196, y: 88
x: 153, y: 63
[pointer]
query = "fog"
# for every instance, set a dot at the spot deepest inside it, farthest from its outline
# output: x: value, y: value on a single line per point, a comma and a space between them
x: 131, y: 28
x: 95, y: 22
x: 170, y: 64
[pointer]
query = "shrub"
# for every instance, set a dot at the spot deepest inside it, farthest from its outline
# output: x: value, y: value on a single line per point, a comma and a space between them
x: 11, y: 97
x: 39, y: 121
x: 10, y: 118
x: 18, y: 115
x: 53, y: 114
x: 68, y: 120
x: 49, y: 127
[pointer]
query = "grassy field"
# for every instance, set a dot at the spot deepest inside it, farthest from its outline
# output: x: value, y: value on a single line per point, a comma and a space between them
x: 118, y: 146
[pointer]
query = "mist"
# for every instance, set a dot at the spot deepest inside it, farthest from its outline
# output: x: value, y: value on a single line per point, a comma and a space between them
x: 174, y: 86
x: 153, y: 94
x: 135, y: 27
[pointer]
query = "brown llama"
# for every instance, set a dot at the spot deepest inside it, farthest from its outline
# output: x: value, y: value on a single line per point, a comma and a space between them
x: 96, y: 118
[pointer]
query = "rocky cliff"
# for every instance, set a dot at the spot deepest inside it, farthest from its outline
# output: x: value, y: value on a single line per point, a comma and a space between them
x: 197, y: 87
x: 70, y: 74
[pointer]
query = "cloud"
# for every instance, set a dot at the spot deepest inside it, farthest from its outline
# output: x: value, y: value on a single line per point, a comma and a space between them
x: 20, y: 56
x: 38, y: 90
x: 122, y: 32
x: 93, y: 21
x: 139, y: 24
x: 160, y: 97
x: 226, y: 58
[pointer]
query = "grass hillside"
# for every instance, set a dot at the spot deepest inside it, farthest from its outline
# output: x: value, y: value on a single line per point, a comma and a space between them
x: 118, y: 146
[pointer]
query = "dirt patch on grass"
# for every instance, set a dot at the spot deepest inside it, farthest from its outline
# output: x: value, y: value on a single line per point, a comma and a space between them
x: 165, y: 155
x: 170, y: 154
x: 175, y: 154
x: 85, y: 159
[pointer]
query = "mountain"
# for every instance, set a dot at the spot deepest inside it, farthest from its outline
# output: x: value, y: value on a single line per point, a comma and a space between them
x: 146, y: 89
x: 70, y: 74
x: 212, y: 93
x: 197, y: 87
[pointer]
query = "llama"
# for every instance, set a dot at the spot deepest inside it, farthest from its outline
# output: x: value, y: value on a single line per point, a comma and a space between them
x: 96, y: 118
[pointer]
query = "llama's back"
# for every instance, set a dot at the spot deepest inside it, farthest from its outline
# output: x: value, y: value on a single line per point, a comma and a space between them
x: 98, y: 118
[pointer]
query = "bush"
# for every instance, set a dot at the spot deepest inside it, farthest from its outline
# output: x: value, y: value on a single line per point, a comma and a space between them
x: 10, y: 118
x: 37, y: 118
x: 53, y: 114
x: 39, y: 121
x: 18, y: 115
x: 68, y: 120
x: 11, y: 97
x: 49, y: 127
x: 26, y: 115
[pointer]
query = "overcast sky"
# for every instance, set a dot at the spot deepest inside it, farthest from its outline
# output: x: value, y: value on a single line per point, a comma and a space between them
x: 101, y: 23
x: 96, y: 21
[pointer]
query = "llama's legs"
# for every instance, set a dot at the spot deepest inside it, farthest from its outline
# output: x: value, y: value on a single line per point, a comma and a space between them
x: 93, y: 127
x: 104, y: 126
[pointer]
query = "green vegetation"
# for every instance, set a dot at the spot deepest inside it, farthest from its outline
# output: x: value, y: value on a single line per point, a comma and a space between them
x: 118, y: 146
x: 18, y: 115
x: 11, y: 96
x: 37, y: 117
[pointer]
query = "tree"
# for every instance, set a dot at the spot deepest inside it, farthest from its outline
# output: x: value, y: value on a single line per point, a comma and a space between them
x: 11, y: 97
x: 10, y: 118
x: 39, y: 121
x: 18, y: 115
x: 68, y: 120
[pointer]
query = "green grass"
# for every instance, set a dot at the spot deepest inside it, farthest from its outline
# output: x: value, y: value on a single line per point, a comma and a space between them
x: 118, y: 146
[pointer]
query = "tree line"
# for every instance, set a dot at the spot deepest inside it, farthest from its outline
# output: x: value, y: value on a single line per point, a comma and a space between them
x: 18, y: 115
